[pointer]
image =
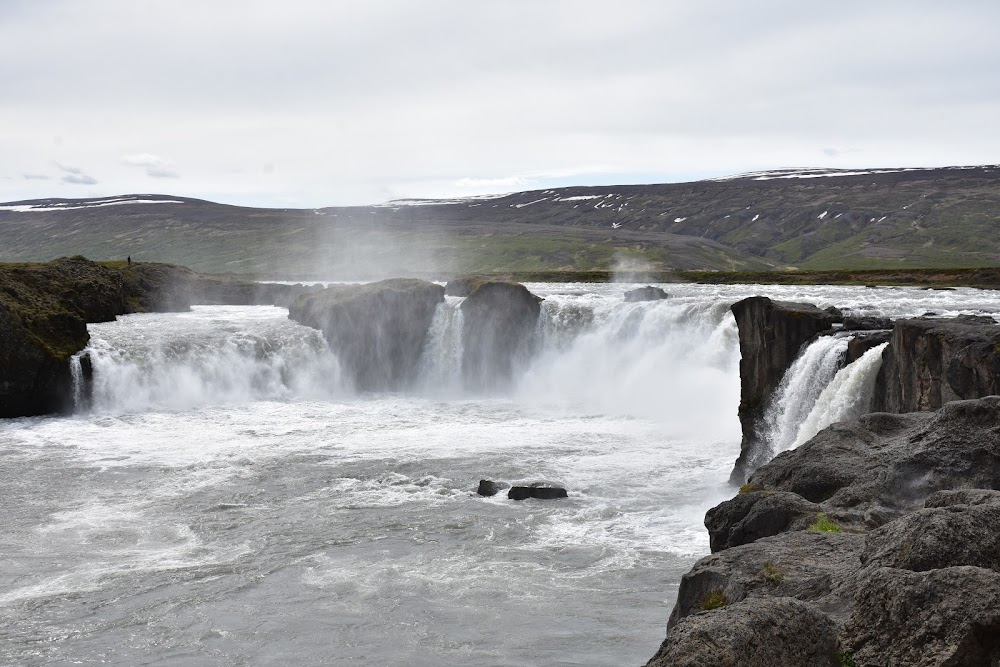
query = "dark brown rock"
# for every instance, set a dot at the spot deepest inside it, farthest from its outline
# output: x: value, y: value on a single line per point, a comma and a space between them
x: 489, y: 488
x: 772, y: 334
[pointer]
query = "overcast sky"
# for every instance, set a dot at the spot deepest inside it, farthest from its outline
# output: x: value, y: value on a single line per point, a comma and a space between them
x: 326, y: 102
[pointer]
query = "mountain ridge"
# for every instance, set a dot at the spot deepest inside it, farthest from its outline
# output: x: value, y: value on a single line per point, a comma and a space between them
x: 805, y: 219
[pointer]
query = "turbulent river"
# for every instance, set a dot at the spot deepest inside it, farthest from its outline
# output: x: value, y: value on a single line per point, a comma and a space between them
x: 223, y: 497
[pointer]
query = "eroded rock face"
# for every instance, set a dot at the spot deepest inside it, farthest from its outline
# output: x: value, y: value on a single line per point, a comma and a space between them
x: 378, y: 330
x: 44, y: 310
x: 498, y: 332
x: 750, y: 516
x: 930, y: 362
x: 752, y: 633
x: 771, y: 335
x: 944, y: 617
x: 807, y: 565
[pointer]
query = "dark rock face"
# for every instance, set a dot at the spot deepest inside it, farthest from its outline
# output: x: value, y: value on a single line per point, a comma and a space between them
x: 771, y: 335
x: 541, y: 492
x: 930, y: 362
x: 647, y: 293
x: 807, y: 565
x: 752, y: 633
x: 892, y: 463
x: 489, y: 488
x: 912, y: 579
x: 947, y: 617
x: 498, y: 332
x: 862, y: 342
x: 378, y: 330
x: 44, y: 310
x: 750, y: 516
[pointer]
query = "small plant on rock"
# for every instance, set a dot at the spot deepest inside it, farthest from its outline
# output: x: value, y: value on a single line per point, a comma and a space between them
x: 825, y: 525
x: 771, y: 572
x: 714, y: 599
x: 747, y: 488
x: 846, y: 659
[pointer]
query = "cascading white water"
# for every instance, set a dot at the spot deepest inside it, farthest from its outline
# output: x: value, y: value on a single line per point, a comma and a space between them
x: 848, y: 396
x: 76, y: 371
x: 147, y: 362
x: 671, y: 361
x: 800, y: 388
x: 441, y: 361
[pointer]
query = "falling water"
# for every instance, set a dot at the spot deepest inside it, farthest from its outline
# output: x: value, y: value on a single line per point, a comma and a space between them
x: 800, y: 388
x: 848, y: 396
x: 441, y: 362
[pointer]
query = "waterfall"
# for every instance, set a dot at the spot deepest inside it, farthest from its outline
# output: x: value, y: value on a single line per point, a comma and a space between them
x: 441, y: 360
x: 800, y: 388
x: 185, y: 361
x: 76, y: 371
x: 848, y: 396
x: 672, y: 361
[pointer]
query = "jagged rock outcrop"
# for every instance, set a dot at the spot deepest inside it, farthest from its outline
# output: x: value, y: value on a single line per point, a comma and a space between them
x: 498, y: 332
x: 647, y: 293
x: 930, y: 362
x: 908, y: 575
x: 771, y: 335
x: 378, y: 330
x: 807, y: 565
x: 752, y: 633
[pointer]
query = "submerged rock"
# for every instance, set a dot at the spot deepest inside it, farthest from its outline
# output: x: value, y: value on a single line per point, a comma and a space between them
x: 498, y: 332
x: 378, y: 330
x: 647, y: 293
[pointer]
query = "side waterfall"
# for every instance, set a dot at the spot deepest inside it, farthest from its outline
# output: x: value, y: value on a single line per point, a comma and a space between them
x: 847, y: 397
x: 800, y: 388
x: 441, y: 361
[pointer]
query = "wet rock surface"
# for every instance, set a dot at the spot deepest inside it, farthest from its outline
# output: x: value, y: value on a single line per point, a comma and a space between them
x: 498, y: 332
x: 377, y: 329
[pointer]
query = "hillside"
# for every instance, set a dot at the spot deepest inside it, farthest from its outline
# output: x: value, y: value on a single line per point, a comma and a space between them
x: 812, y: 219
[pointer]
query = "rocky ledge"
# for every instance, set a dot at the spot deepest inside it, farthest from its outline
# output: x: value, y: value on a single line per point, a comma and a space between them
x: 45, y: 308
x: 875, y: 543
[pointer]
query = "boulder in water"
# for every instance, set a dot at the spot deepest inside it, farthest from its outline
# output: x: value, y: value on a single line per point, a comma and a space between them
x: 378, y: 330
x: 489, y: 488
x: 498, y: 332
x: 539, y: 491
x: 647, y: 293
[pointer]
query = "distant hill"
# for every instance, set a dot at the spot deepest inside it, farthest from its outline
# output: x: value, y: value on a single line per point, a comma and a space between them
x: 807, y: 219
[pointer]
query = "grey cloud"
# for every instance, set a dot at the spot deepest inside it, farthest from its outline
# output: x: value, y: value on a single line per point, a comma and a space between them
x: 34, y: 177
x: 161, y: 172
x: 69, y: 169
x: 79, y: 179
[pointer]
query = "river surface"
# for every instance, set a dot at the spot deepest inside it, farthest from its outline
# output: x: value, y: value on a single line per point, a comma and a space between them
x: 224, y: 497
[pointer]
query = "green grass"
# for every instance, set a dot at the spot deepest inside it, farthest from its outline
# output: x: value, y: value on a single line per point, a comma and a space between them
x: 714, y: 599
x: 825, y: 525
x: 771, y: 572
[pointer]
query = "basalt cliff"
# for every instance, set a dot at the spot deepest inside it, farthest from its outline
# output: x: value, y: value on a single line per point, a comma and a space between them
x: 876, y: 542
x: 45, y: 308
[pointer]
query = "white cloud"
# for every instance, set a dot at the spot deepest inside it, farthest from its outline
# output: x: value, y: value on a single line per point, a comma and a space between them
x: 79, y: 179
x: 446, y: 97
